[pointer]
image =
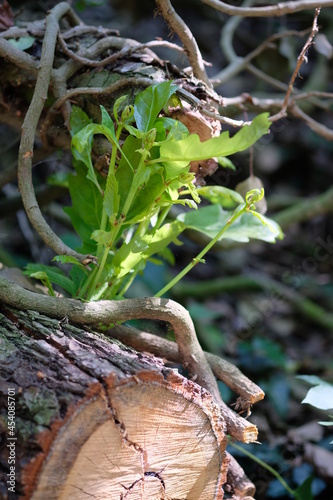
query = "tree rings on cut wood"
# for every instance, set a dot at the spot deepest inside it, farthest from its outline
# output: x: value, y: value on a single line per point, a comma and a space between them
x: 97, y: 419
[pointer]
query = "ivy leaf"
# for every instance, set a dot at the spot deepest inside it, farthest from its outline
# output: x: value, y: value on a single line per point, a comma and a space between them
x: 210, y: 220
x: 227, y: 198
x: 192, y: 149
x: 149, y: 103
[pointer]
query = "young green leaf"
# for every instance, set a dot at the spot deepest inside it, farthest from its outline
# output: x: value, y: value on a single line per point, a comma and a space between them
x: 111, y: 196
x: 117, y: 105
x: 102, y: 237
x: 107, y: 122
x: 43, y: 277
x: 68, y: 259
x: 150, y: 102
x: 141, y: 248
x: 227, y: 198
x: 53, y: 274
x: 192, y: 148
x: 78, y: 120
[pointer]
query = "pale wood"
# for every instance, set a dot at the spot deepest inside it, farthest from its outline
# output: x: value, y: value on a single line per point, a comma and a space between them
x: 118, y: 418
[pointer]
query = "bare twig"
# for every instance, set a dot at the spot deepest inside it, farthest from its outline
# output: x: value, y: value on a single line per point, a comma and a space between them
x: 19, y: 57
x: 28, y: 135
x: 114, y: 87
x: 237, y: 64
x: 280, y: 9
x: 300, y: 60
x: 123, y: 52
x: 182, y: 30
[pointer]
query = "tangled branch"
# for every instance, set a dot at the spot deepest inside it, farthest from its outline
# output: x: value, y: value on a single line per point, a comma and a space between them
x: 278, y: 10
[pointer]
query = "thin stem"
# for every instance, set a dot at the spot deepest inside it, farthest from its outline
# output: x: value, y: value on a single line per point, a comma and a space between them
x: 236, y: 214
x: 265, y: 465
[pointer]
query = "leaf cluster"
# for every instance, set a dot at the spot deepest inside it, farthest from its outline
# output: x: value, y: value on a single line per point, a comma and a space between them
x: 123, y: 220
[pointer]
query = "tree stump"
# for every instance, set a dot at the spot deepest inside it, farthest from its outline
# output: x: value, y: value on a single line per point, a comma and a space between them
x: 96, y: 418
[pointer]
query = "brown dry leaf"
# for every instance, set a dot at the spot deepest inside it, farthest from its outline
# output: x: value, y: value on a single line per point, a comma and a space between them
x: 6, y: 16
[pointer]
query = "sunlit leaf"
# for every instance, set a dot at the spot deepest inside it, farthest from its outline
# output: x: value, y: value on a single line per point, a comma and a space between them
x: 192, y: 148
x: 150, y: 102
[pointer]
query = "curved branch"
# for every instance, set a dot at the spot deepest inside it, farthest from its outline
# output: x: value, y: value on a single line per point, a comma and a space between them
x: 223, y: 370
x: 191, y: 47
x: 18, y: 57
x: 277, y: 10
x: 29, y: 130
x: 107, y: 312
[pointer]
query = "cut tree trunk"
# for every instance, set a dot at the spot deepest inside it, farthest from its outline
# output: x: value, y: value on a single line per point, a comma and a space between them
x: 94, y: 418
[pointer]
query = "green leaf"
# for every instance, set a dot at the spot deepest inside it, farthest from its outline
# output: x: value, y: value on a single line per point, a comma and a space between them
x: 23, y: 43
x: 227, y: 198
x: 134, y: 131
x: 273, y: 227
x: 149, y: 103
x: 43, y: 277
x: 82, y: 143
x: 111, y: 196
x: 210, y: 220
x: 320, y: 396
x: 117, y: 105
x: 107, y: 122
x: 141, y: 248
x: 102, y: 237
x: 146, y: 201
x: 225, y: 162
x: 176, y: 129
x: 68, y: 259
x: 86, y: 210
x: 304, y: 492
x: 54, y: 275
x: 78, y: 120
x: 192, y: 148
